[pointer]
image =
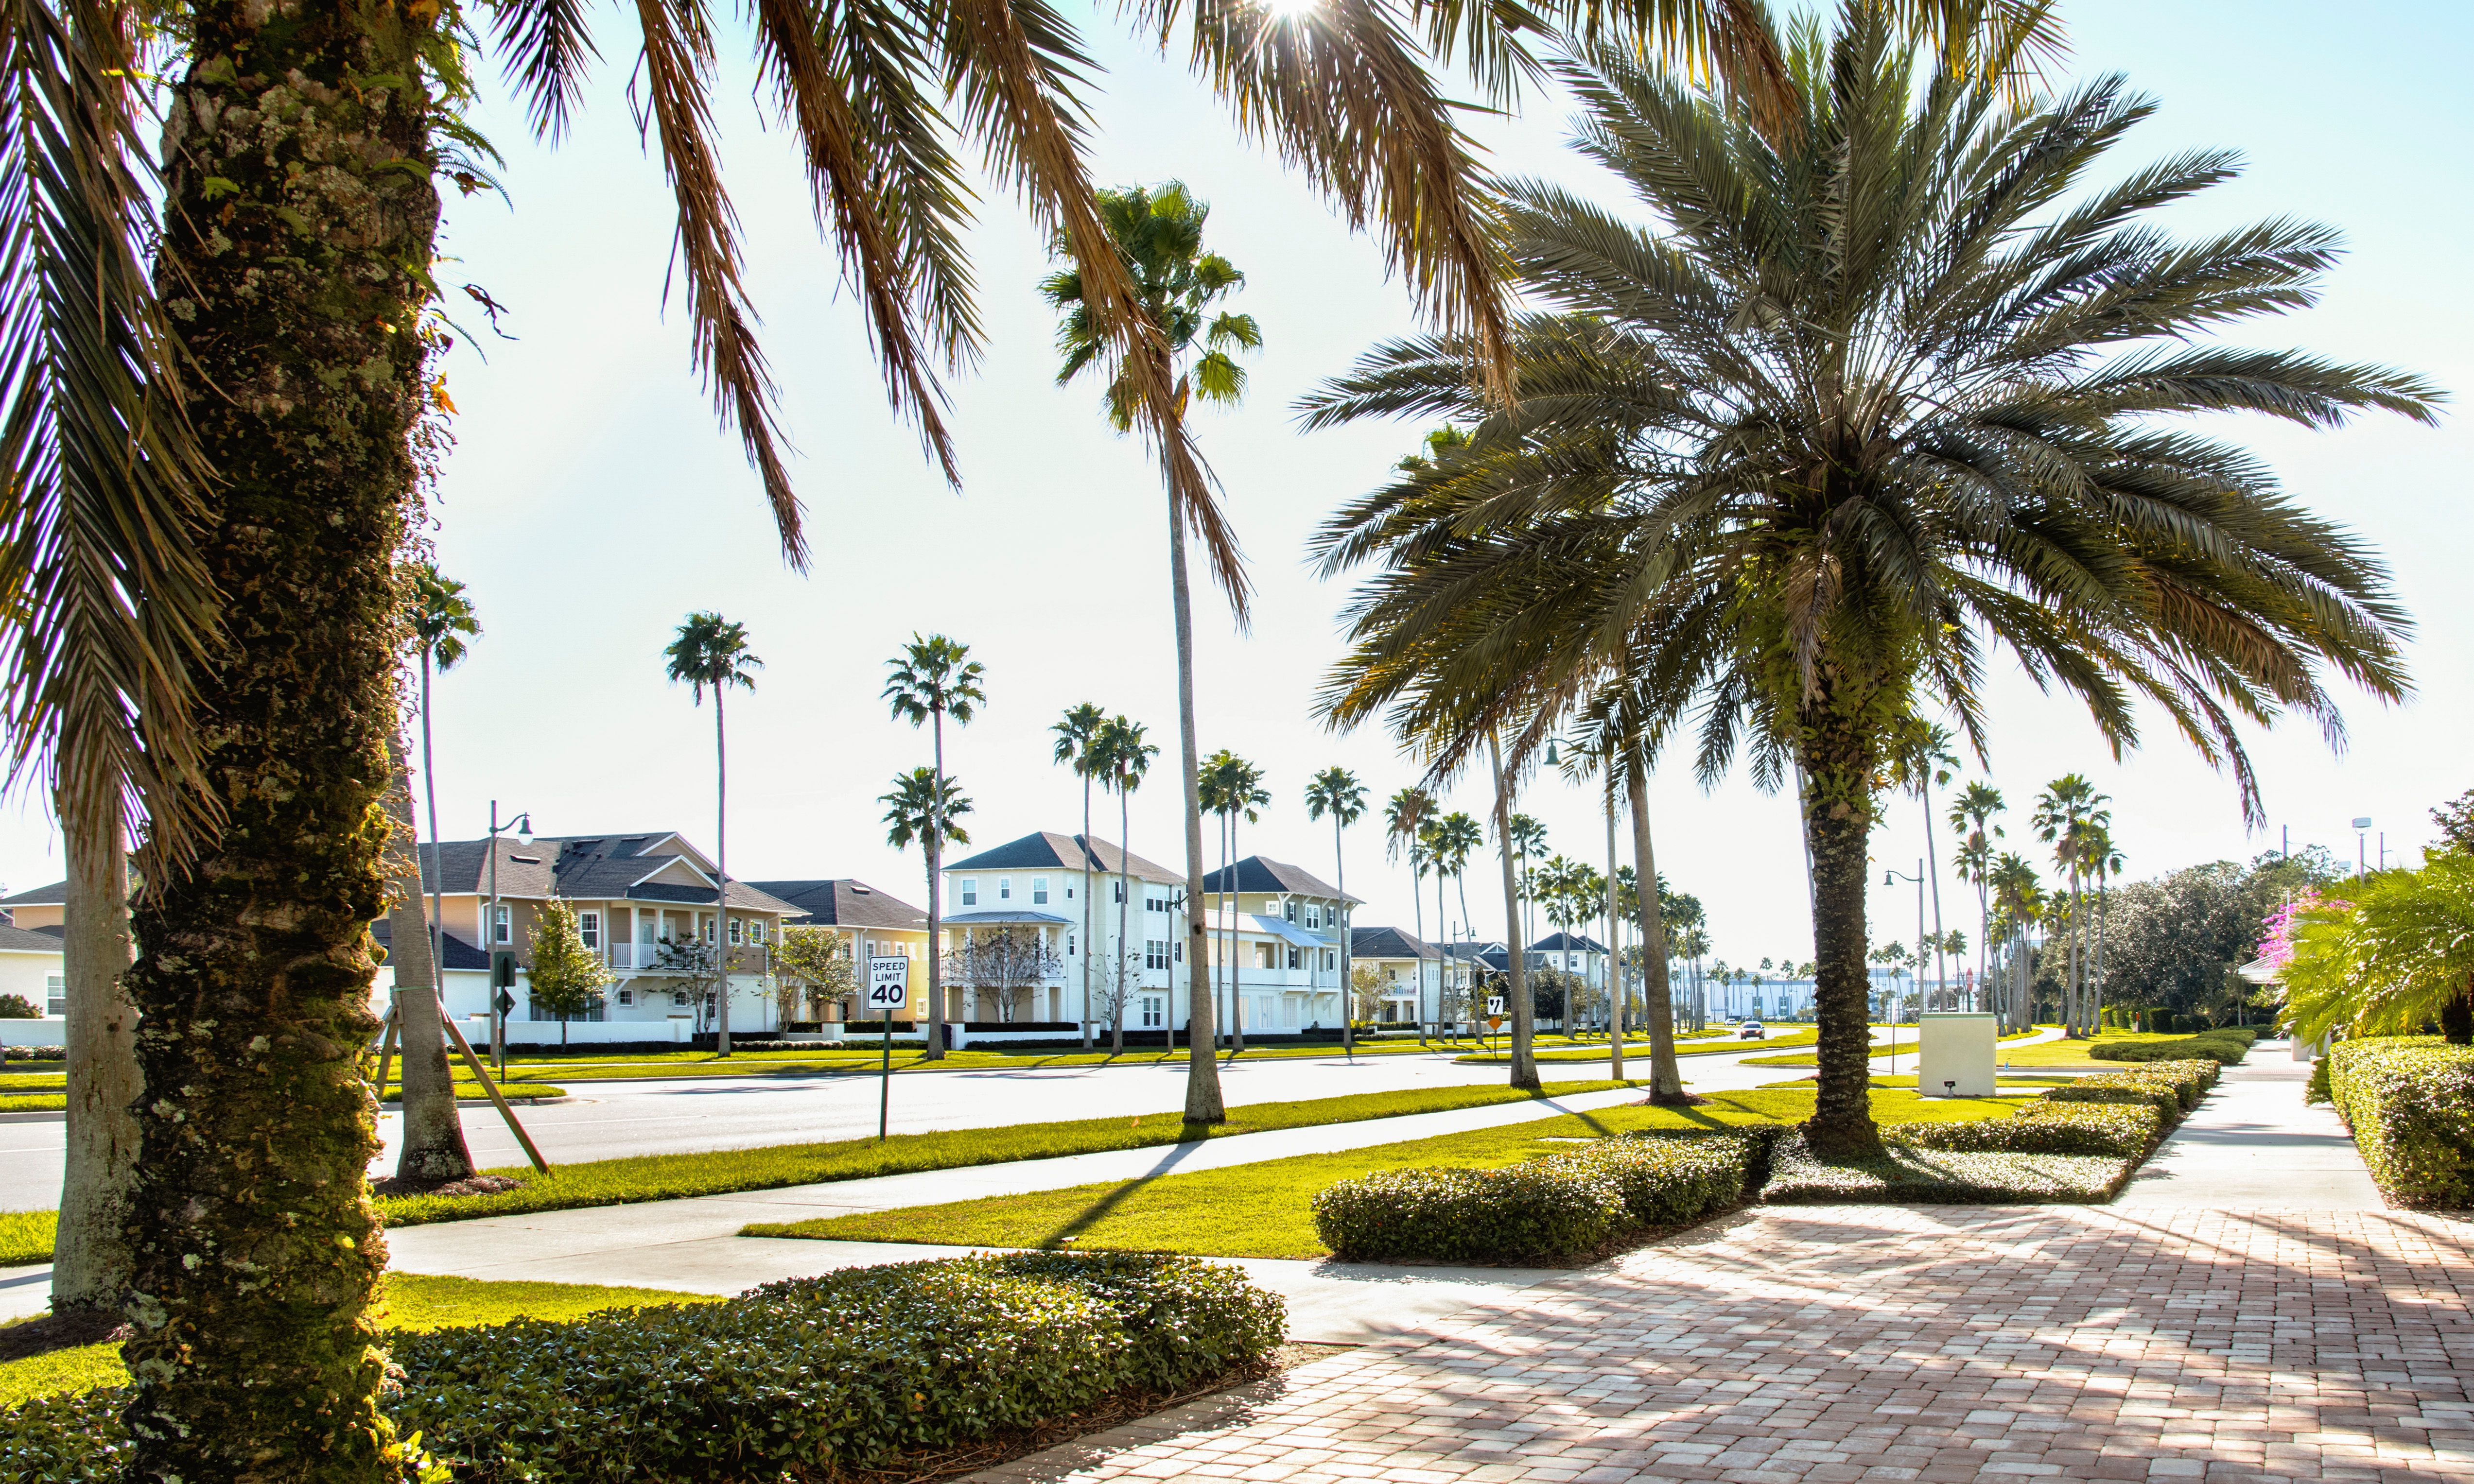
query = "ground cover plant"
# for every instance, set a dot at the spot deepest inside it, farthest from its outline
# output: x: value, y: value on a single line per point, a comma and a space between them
x: 1905, y: 1172
x: 812, y: 1378
x: 2226, y: 1046
x: 1266, y: 1210
x: 2410, y: 1103
x: 26, y: 1236
x: 408, y: 1302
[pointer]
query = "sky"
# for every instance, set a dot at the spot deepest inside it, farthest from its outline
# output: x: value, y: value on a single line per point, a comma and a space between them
x: 592, y: 501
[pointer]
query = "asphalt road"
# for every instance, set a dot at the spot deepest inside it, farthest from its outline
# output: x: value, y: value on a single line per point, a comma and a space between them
x: 612, y: 1120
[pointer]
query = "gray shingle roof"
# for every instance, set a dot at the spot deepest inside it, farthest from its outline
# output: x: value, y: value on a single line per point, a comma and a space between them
x: 1567, y: 943
x: 29, y: 940
x: 52, y: 896
x: 1262, y: 874
x: 1047, y: 850
x: 459, y: 953
x: 1389, y: 943
x: 840, y: 901
x: 585, y: 867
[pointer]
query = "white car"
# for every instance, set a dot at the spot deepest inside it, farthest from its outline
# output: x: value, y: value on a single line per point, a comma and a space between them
x: 1750, y: 1030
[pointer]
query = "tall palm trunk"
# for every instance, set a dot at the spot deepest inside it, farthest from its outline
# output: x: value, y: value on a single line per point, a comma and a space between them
x: 300, y: 219
x: 1203, y: 1100
x: 1443, y: 960
x: 721, y: 888
x: 1665, y: 1075
x: 1087, y: 910
x: 1347, y: 1009
x: 934, y: 853
x: 1236, y: 1000
x: 1933, y: 870
x: 1125, y: 894
x: 1524, y: 1062
x: 431, y: 1150
x: 91, y: 1261
x: 1837, y: 767
x: 1615, y: 952
x: 1418, y: 911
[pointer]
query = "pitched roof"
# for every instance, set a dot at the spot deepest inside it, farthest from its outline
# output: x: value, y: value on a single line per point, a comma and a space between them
x: 459, y: 954
x: 1567, y: 943
x: 1262, y: 874
x: 610, y: 867
x: 1047, y: 850
x: 840, y: 901
x: 30, y: 939
x: 52, y: 896
x: 1003, y: 915
x: 1389, y: 943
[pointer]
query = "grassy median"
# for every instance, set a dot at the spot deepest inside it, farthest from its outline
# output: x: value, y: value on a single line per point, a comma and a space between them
x: 407, y: 1302
x: 1267, y: 1210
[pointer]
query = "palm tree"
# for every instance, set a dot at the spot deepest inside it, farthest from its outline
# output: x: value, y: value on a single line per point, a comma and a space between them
x: 1076, y: 732
x: 931, y: 678
x: 1923, y: 762
x: 1228, y: 786
x: 1797, y: 494
x: 1124, y: 758
x: 1337, y: 791
x: 2017, y: 899
x: 711, y: 654
x: 923, y: 805
x: 1455, y: 837
x: 2102, y: 859
x: 1971, y: 817
x: 432, y: 1150
x: 1528, y: 839
x: 2066, y: 812
x: 1404, y: 818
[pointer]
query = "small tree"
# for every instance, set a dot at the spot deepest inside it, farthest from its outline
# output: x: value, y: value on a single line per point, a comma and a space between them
x: 1366, y: 989
x: 1119, y: 977
x: 815, y: 964
x: 566, y: 977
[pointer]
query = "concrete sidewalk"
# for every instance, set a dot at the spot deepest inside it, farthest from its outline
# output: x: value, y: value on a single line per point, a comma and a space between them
x: 2255, y: 1145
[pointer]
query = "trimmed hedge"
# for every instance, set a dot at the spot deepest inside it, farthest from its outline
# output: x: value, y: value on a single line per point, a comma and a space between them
x: 2225, y: 1046
x: 1554, y: 1206
x: 2410, y: 1101
x: 1942, y: 1178
x: 812, y: 1378
x: 2120, y: 1130
x: 2172, y: 1087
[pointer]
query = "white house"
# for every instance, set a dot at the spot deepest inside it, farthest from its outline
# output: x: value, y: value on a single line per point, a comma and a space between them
x: 32, y: 965
x: 1275, y: 944
x: 1409, y: 967
x: 1036, y: 883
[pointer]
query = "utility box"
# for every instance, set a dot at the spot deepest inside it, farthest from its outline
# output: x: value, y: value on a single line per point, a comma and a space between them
x: 1955, y: 1054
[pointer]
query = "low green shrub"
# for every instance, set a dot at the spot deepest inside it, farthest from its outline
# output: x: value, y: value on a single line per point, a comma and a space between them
x: 2120, y: 1130
x: 2225, y: 1046
x: 2317, y: 1090
x: 812, y: 1377
x: 1904, y: 1173
x: 2172, y: 1088
x: 1550, y: 1207
x: 2410, y: 1101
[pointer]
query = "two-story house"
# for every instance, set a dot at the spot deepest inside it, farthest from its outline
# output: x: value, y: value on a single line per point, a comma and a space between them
x: 1407, y: 967
x: 1031, y: 891
x: 869, y: 922
x: 645, y: 902
x: 34, y: 965
x: 1276, y: 936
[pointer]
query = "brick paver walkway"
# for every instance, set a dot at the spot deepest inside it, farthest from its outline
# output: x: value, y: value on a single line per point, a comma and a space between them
x: 1937, y: 1343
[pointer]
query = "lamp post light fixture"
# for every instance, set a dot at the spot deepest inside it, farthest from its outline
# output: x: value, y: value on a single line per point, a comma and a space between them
x: 523, y: 826
x: 2361, y: 826
x: 1890, y: 877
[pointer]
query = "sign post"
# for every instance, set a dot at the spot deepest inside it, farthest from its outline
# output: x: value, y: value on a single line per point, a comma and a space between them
x: 888, y: 986
x: 1494, y: 1014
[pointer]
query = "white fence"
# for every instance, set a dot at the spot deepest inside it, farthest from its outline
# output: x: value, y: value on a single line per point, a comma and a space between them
x: 45, y: 1031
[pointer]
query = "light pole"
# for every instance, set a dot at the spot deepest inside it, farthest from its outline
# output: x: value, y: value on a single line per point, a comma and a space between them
x: 2361, y: 844
x: 1891, y: 877
x: 523, y: 826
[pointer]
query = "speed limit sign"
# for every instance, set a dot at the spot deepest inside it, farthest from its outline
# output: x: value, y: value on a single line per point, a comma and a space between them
x: 889, y: 984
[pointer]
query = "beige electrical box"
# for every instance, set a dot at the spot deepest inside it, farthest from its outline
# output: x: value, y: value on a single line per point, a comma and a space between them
x: 1956, y: 1054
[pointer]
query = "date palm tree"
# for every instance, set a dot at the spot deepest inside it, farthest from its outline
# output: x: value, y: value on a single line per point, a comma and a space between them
x: 1405, y: 814
x: 1076, y: 732
x: 923, y: 805
x: 1337, y: 791
x: 2018, y: 903
x: 2068, y: 813
x: 1528, y: 839
x: 931, y: 678
x: 1971, y: 817
x: 1861, y: 402
x: 710, y: 653
x: 1228, y: 786
x: 432, y: 1150
x: 1124, y: 758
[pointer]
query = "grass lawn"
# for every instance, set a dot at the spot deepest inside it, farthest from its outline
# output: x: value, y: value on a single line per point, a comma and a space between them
x: 26, y: 1236
x: 2075, y: 1053
x: 406, y: 1301
x: 1267, y: 1210
x: 470, y: 1091
x: 1700, y: 1047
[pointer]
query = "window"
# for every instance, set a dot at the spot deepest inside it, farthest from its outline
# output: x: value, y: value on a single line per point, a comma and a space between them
x: 1330, y: 958
x: 1069, y: 892
x: 970, y: 890
x: 679, y: 998
x: 1154, y: 1011
x: 1314, y: 917
x: 588, y: 926
x: 1005, y: 888
x: 755, y: 931
x: 1177, y: 951
x: 626, y: 997
x: 56, y: 992
x: 1039, y: 891
x: 1116, y: 893
x: 1293, y: 960
x: 503, y: 916
x: 1069, y: 937
x: 738, y: 932
x: 1392, y: 976
x: 1289, y: 909
x: 708, y: 928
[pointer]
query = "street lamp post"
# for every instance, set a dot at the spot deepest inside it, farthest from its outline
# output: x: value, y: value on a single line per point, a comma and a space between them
x: 2361, y: 843
x: 523, y: 826
x: 1891, y: 877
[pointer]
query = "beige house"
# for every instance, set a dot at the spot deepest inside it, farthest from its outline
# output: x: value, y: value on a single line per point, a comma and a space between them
x: 32, y: 965
x: 1406, y: 964
x: 869, y: 924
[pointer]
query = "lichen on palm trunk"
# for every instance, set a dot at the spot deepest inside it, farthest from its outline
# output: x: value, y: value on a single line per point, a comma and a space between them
x: 301, y: 218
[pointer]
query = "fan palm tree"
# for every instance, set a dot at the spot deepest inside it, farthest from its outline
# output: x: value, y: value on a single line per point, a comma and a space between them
x: 1971, y: 817
x: 2101, y: 860
x: 1848, y: 415
x: 923, y: 805
x: 1337, y: 791
x: 1404, y: 818
x: 931, y: 678
x: 1528, y: 839
x: 2018, y: 902
x: 1076, y: 732
x: 710, y: 653
x: 1228, y: 786
x: 2067, y: 813
x: 432, y: 1150
x: 1124, y: 758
